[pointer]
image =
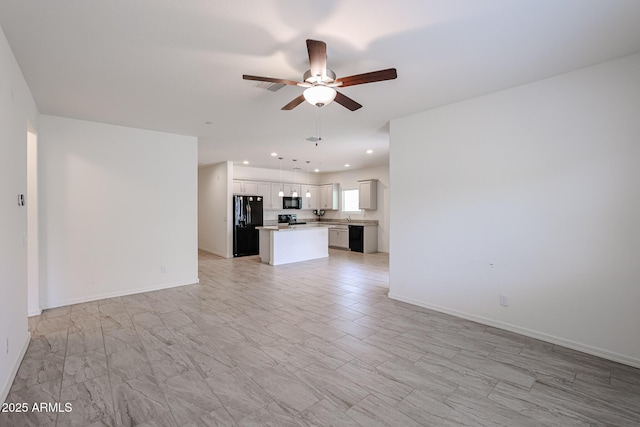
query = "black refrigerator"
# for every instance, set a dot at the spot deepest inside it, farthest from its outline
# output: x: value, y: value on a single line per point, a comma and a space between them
x: 247, y: 215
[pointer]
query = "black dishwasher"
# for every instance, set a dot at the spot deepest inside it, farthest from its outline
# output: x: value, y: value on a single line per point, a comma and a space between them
x: 356, y: 238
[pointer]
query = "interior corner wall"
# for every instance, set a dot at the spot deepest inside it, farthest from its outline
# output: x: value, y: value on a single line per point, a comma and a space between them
x: 17, y: 110
x: 215, y: 188
x: 118, y: 210
x: 33, y: 235
x: 531, y: 193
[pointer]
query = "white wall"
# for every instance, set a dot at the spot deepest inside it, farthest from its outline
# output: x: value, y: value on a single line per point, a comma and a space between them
x: 118, y: 205
x: 273, y: 175
x: 17, y: 111
x: 348, y: 180
x: 33, y: 248
x: 540, y: 181
x: 215, y: 190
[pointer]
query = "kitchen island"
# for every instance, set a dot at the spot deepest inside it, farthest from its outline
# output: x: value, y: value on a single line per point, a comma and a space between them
x: 284, y: 245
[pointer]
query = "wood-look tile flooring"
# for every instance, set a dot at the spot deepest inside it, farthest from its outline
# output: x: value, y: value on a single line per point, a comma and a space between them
x: 314, y: 343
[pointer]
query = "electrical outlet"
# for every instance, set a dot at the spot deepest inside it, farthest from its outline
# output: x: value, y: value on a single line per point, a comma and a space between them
x: 163, y: 269
x: 504, y: 301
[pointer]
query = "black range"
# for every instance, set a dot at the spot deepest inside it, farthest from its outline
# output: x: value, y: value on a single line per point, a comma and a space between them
x: 291, y: 219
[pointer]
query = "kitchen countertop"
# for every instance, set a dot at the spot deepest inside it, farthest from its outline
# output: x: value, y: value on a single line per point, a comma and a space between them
x: 312, y: 224
x: 274, y: 225
x: 286, y: 227
x: 364, y: 224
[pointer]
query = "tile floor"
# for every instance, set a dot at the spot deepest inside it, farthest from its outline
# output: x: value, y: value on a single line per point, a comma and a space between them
x: 309, y: 344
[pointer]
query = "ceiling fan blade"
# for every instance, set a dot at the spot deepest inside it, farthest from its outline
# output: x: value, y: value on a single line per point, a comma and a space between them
x: 374, y: 76
x: 293, y: 104
x: 269, y: 79
x: 317, y: 57
x: 346, y: 102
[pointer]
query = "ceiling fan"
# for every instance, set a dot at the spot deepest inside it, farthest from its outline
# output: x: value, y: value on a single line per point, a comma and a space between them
x: 320, y: 82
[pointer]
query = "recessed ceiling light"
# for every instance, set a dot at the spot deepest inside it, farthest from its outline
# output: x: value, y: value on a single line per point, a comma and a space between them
x: 369, y: 151
x: 316, y: 170
x: 246, y: 162
x: 274, y: 154
x: 347, y: 165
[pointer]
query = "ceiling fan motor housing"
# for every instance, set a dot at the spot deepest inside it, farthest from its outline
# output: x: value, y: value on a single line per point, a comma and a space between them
x: 328, y: 77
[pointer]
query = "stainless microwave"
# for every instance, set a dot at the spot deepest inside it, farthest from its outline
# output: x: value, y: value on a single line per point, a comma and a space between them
x: 292, y: 203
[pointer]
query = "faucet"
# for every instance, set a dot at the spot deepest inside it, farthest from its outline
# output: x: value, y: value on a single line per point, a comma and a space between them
x: 348, y: 218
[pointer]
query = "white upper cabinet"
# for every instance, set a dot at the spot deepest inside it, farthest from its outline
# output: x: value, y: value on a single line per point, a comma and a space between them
x: 368, y: 194
x: 290, y: 188
x: 250, y: 187
x: 245, y: 187
x: 271, y: 201
x: 264, y: 191
x: 329, y: 197
x: 312, y: 202
x: 276, y: 201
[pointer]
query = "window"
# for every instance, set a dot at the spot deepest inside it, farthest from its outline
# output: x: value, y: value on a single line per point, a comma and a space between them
x: 350, y: 200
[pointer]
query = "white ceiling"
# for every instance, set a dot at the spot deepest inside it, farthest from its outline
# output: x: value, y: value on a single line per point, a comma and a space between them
x: 172, y: 65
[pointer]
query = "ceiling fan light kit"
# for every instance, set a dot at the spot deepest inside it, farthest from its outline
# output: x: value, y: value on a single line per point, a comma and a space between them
x: 320, y: 82
x: 319, y: 95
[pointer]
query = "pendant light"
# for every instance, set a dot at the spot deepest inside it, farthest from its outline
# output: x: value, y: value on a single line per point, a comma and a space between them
x: 281, y: 192
x: 308, y: 192
x: 295, y: 193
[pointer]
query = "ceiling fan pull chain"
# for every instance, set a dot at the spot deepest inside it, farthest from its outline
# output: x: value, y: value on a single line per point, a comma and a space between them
x: 319, y: 125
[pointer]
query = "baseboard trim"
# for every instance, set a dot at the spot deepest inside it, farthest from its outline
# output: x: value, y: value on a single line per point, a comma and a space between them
x: 4, y: 391
x: 594, y: 351
x: 211, y: 251
x: 37, y: 312
x: 96, y: 297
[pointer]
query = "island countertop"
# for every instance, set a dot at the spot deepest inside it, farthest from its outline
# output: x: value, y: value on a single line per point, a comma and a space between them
x: 295, y: 227
x: 360, y: 223
x: 328, y: 224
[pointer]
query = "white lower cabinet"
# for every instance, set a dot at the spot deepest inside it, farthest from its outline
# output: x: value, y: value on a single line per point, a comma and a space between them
x: 339, y: 237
